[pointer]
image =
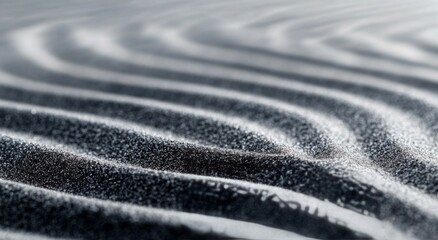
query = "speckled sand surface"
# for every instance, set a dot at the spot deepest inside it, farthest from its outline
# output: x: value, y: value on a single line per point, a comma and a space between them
x: 218, y: 119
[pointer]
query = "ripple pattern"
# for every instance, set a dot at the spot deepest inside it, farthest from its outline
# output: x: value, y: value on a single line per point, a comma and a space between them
x: 218, y: 119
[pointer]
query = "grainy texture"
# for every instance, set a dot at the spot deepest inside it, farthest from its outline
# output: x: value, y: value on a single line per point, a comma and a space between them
x: 218, y: 119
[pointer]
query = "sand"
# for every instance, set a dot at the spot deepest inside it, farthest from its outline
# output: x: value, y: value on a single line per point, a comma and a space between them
x: 218, y: 120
